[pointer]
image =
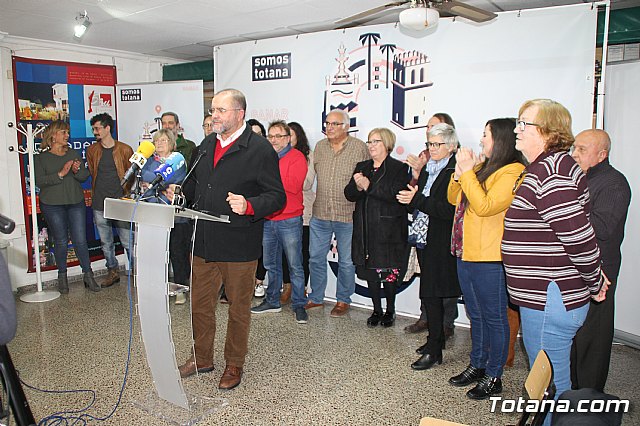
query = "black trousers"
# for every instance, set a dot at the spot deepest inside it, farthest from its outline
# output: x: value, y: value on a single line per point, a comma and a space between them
x: 591, y: 350
x: 435, y: 318
x: 450, y: 311
x: 180, y: 252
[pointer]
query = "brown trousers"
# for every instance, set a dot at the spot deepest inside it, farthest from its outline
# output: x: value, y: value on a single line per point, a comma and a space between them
x: 239, y: 282
x: 514, y: 325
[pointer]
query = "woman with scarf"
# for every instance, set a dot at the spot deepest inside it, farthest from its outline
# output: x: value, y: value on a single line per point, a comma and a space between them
x: 431, y: 231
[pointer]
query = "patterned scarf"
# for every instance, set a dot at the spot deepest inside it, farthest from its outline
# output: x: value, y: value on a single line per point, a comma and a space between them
x: 456, y: 234
x: 420, y: 225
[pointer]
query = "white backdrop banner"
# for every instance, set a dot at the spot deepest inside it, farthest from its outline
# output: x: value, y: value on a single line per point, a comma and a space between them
x: 622, y: 104
x: 140, y: 107
x: 386, y: 76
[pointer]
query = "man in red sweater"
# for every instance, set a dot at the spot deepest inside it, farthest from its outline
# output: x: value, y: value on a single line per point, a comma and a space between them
x: 283, y: 229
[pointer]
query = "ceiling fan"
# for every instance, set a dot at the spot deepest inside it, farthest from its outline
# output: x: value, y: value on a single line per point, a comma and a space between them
x: 424, y: 13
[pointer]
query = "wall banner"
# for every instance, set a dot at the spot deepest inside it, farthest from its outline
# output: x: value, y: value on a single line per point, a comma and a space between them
x: 386, y: 76
x: 72, y: 92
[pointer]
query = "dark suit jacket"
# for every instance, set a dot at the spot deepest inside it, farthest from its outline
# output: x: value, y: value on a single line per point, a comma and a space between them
x: 438, y: 267
x: 248, y: 168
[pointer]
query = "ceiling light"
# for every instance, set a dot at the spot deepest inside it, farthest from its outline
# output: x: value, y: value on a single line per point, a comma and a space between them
x: 82, y: 24
x: 419, y: 18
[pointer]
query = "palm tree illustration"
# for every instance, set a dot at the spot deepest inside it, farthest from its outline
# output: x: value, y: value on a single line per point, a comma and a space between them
x: 388, y: 49
x: 369, y: 39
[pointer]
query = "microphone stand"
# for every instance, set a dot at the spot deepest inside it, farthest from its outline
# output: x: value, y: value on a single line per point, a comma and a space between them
x: 178, y: 194
x: 19, y: 404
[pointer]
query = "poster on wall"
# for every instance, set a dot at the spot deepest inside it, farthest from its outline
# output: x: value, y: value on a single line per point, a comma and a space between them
x: 72, y: 92
x: 387, y: 76
x: 141, y: 106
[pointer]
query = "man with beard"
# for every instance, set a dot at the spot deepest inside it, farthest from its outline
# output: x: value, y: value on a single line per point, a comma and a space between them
x: 238, y: 176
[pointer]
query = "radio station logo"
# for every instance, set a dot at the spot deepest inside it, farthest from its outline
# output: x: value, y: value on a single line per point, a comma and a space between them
x: 276, y: 66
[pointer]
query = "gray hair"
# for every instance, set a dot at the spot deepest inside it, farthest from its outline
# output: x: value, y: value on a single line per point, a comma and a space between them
x: 447, y: 133
x: 169, y: 134
x: 345, y: 116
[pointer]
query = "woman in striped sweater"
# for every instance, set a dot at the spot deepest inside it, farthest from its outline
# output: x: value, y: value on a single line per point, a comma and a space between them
x: 549, y: 248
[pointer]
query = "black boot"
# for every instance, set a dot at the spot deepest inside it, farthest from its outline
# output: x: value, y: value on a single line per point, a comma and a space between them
x: 426, y: 361
x: 388, y: 319
x: 63, y: 284
x: 468, y: 376
x: 486, y: 387
x: 374, y: 319
x: 90, y: 282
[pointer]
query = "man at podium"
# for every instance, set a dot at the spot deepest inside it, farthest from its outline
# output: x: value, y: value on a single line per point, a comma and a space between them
x: 238, y: 176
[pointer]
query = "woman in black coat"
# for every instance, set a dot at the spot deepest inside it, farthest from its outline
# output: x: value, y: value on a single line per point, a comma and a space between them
x: 379, y: 244
x: 431, y: 230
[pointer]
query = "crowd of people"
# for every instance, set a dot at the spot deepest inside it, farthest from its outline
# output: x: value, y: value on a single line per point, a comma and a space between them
x: 529, y: 226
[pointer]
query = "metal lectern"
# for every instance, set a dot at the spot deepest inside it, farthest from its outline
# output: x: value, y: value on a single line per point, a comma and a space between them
x: 153, y: 227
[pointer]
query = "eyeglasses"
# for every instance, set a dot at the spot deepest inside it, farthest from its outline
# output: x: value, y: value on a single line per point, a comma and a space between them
x: 276, y: 137
x: 523, y: 125
x: 518, y: 181
x: 333, y: 124
x: 95, y: 128
x: 222, y: 110
x: 434, y: 145
x: 207, y: 125
x: 374, y: 141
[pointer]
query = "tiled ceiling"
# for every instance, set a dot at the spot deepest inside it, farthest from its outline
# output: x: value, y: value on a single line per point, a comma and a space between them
x: 187, y: 29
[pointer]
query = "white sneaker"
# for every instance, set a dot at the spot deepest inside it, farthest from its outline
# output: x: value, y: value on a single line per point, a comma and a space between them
x: 260, y: 290
x: 181, y: 299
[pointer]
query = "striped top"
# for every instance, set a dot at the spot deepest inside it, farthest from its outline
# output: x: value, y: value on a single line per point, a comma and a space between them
x: 548, y: 237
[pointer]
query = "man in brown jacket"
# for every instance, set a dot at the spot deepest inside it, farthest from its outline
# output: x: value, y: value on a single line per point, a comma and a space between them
x: 108, y: 161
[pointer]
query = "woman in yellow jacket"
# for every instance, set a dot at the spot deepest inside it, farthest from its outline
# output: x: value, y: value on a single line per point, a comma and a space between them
x: 482, y: 188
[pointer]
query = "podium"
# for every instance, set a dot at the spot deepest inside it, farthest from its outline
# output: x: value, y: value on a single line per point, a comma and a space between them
x: 151, y: 253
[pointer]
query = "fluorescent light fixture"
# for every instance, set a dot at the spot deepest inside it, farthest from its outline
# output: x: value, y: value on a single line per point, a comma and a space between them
x: 82, y: 24
x: 419, y: 18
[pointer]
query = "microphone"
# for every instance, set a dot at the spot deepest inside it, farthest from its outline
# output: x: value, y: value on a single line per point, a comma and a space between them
x: 178, y: 197
x: 6, y: 225
x: 164, y: 173
x: 138, y: 159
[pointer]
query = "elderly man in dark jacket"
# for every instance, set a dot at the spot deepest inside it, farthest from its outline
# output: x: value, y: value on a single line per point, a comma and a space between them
x: 238, y: 176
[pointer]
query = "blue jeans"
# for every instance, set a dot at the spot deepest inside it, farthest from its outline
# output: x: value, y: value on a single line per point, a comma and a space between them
x: 552, y: 330
x: 319, y: 245
x: 279, y: 235
x: 105, y: 230
x: 63, y: 220
x: 485, y: 301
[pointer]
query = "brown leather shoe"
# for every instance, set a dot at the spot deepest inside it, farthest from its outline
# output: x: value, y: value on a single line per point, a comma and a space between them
x: 113, y: 276
x: 340, y: 310
x: 311, y: 305
x: 417, y: 327
x: 448, y: 332
x: 189, y: 368
x: 230, y: 378
x: 285, y: 296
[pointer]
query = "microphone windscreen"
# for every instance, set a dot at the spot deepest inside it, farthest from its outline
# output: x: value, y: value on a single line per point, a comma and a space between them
x: 146, y: 149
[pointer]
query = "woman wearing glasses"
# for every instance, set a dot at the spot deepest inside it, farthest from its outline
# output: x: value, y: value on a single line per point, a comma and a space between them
x: 431, y: 231
x: 481, y: 188
x: 379, y: 246
x: 549, y: 248
x: 59, y: 172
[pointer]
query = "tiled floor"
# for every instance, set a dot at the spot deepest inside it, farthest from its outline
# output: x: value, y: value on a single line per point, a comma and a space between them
x: 327, y: 372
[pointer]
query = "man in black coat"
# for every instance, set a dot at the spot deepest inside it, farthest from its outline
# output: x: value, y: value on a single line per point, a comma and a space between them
x: 238, y: 176
x: 610, y: 196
